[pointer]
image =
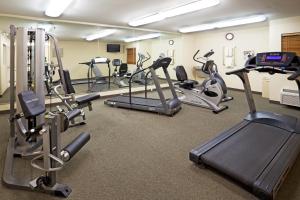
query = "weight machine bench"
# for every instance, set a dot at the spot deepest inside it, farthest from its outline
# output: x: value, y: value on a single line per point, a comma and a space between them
x: 43, y: 140
x: 69, y: 99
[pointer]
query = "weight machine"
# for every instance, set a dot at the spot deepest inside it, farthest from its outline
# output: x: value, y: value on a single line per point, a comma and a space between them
x: 35, y: 135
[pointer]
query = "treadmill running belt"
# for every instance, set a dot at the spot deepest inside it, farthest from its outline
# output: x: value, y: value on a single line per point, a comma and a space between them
x: 138, y: 101
x: 244, y: 156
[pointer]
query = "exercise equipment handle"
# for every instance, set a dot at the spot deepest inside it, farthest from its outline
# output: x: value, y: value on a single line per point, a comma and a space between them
x: 195, y: 55
x: 149, y: 57
x: 208, y: 54
x: 294, y: 76
x: 195, y: 58
x: 146, y: 58
x: 237, y: 71
x: 71, y: 149
x: 73, y: 114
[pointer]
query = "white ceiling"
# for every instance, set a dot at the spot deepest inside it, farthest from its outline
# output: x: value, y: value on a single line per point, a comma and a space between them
x: 70, y: 31
x: 119, y: 12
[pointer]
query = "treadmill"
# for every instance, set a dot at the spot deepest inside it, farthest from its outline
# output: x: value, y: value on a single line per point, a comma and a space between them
x: 162, y: 105
x: 93, y: 69
x: 259, y: 151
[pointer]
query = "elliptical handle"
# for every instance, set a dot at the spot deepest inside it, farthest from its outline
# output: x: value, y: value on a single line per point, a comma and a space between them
x: 146, y: 58
x: 149, y: 56
x: 139, y: 59
x: 194, y: 57
x: 209, y: 54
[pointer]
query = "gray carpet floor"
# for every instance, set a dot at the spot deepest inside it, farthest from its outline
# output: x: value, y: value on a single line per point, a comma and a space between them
x: 136, y: 155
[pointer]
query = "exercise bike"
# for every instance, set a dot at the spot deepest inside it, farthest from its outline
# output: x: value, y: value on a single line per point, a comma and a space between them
x: 140, y: 78
x: 121, y: 74
x: 209, y: 94
x: 213, y: 73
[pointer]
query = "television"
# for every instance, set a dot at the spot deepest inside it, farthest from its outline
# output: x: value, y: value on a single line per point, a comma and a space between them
x: 113, y: 48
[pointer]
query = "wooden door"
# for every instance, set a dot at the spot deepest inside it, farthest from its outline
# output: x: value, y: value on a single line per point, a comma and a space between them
x: 291, y: 42
x: 131, y: 55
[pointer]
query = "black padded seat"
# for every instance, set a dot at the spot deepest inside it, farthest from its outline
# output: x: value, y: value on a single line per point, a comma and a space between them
x: 87, y: 98
x: 188, y: 84
x: 123, y: 69
x: 183, y: 78
x: 30, y: 104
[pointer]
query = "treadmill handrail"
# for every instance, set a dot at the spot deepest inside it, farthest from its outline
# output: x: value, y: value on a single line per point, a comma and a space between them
x: 294, y: 76
x: 146, y: 84
x: 130, y: 81
x: 137, y: 72
x: 237, y: 71
x: 243, y: 75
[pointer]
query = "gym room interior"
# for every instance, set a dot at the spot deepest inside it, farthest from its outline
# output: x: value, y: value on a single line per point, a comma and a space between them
x: 156, y: 100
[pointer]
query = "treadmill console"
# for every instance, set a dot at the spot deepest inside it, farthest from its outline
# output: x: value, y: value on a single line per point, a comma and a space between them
x: 281, y: 60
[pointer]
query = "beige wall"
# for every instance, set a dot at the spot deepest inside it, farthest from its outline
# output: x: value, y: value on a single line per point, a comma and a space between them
x: 4, y: 63
x: 278, y: 27
x: 75, y: 52
x: 246, y: 38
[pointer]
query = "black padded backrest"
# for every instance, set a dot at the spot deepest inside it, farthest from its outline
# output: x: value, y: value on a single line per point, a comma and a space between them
x: 181, y: 73
x: 161, y: 62
x: 30, y: 104
x: 123, y: 69
x: 68, y: 81
x: 116, y: 62
x: 208, y: 67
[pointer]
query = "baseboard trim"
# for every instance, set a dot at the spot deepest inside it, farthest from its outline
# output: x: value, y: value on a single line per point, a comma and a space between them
x: 275, y: 102
x: 241, y: 90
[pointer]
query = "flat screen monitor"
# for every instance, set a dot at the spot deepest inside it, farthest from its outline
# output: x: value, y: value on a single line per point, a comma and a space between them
x: 113, y: 48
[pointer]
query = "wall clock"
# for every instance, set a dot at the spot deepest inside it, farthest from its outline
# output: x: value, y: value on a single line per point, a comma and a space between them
x: 229, y: 36
x: 171, y: 42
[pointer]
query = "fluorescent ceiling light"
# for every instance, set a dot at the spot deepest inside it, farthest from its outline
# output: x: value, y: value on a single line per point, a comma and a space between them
x: 190, y: 7
x: 57, y: 7
x: 143, y: 37
x: 100, y: 60
x: 147, y: 20
x: 180, y: 10
x: 101, y: 34
x: 226, y: 23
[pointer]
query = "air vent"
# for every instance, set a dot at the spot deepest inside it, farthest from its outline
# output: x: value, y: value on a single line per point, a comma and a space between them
x: 290, y: 97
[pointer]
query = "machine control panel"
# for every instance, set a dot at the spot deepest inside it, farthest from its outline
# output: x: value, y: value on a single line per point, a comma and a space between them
x: 276, y: 59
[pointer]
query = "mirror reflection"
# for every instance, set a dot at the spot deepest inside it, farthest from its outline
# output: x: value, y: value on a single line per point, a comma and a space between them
x: 98, y: 59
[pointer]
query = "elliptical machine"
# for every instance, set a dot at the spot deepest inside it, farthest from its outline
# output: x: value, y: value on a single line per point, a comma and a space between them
x: 213, y: 72
x: 140, y: 78
x: 209, y: 94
